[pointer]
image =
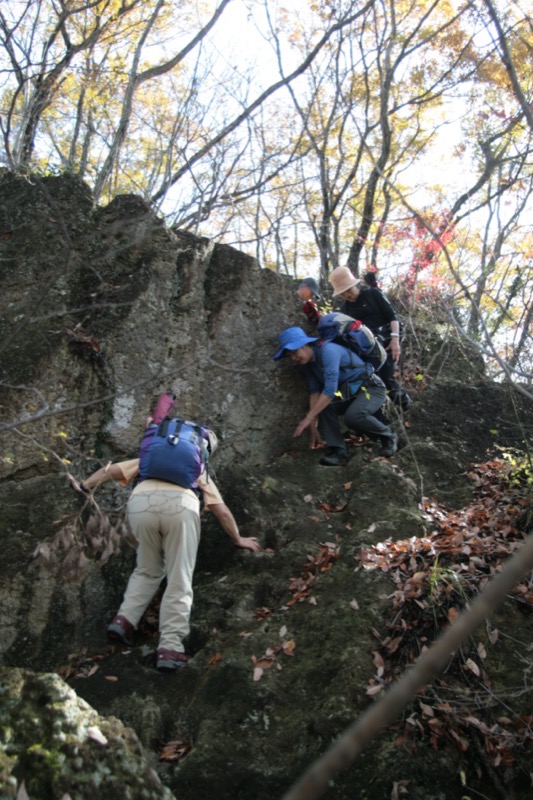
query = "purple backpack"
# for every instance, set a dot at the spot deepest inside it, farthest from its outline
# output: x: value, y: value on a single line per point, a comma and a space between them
x: 174, y: 451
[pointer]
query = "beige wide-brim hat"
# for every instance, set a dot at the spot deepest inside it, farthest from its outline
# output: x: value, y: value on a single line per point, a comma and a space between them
x: 342, y: 279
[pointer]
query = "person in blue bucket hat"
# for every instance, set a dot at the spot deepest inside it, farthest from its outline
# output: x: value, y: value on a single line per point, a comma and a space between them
x: 339, y: 384
x: 292, y: 339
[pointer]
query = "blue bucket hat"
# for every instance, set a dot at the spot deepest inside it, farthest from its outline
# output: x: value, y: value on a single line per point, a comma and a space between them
x: 311, y: 284
x: 292, y: 339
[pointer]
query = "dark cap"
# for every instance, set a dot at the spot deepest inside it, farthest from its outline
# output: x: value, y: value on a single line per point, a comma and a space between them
x: 313, y: 285
x: 370, y: 278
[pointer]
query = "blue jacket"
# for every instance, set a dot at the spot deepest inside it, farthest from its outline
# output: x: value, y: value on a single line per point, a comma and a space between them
x: 333, y: 365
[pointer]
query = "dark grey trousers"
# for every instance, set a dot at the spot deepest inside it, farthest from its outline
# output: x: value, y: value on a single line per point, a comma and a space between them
x: 358, y: 413
x: 398, y: 395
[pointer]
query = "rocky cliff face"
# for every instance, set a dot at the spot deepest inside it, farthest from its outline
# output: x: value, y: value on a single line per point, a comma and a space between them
x: 104, y: 308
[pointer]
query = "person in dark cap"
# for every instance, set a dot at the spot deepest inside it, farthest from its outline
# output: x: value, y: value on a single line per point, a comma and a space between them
x: 312, y: 285
x: 308, y: 291
x: 370, y: 278
x: 339, y: 384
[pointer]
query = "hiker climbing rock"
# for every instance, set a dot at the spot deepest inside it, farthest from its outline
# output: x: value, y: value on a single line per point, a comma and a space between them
x: 164, y: 515
x: 308, y: 291
x: 371, y: 307
x: 340, y: 383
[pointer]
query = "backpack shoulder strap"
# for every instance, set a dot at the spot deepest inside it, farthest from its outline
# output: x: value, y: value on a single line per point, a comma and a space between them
x: 162, y: 429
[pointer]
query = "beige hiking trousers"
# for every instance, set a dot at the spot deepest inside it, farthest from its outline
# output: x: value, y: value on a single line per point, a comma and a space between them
x: 166, y: 525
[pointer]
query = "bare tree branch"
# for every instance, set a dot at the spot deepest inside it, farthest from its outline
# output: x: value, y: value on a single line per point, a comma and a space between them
x: 135, y: 80
x: 259, y: 101
x: 507, y: 61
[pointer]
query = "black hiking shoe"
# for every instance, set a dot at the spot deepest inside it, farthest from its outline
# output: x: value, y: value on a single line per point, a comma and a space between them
x: 335, y: 459
x: 403, y: 401
x: 390, y: 446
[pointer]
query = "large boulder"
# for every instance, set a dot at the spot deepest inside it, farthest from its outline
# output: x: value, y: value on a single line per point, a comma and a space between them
x: 53, y: 744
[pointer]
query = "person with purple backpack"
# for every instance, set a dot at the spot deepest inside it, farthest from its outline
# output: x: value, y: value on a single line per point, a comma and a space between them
x: 164, y: 516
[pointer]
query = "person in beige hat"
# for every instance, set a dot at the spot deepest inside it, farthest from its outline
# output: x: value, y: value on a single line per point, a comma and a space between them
x: 342, y: 280
x: 370, y: 305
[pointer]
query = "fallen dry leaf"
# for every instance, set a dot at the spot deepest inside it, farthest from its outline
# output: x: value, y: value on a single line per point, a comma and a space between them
x: 265, y: 662
x: 330, y: 508
x: 462, y: 743
x: 394, y: 644
x: 473, y: 667
x: 288, y: 647
x: 261, y: 613
x: 174, y: 751
x: 378, y: 660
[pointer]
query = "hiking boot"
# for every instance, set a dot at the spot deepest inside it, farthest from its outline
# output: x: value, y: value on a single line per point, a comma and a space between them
x: 335, y: 459
x: 120, y: 630
x: 390, y: 446
x: 403, y: 401
x: 170, y: 660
